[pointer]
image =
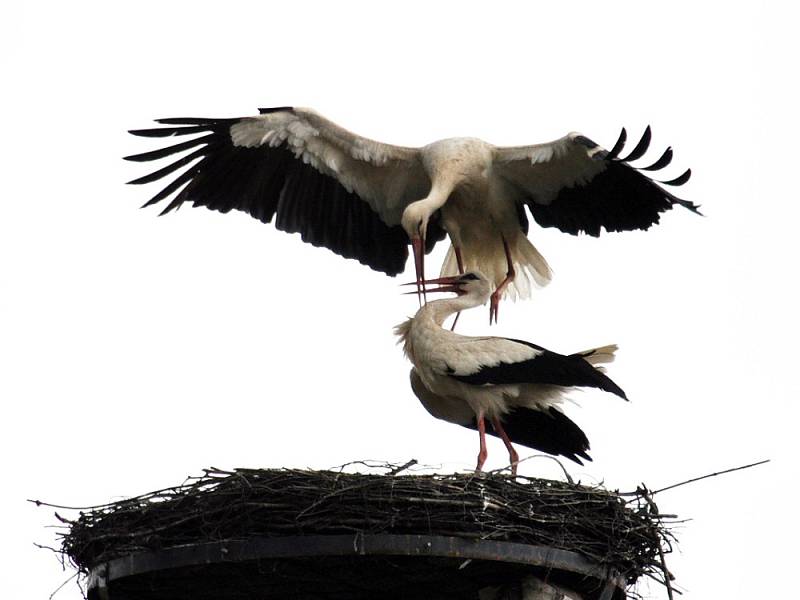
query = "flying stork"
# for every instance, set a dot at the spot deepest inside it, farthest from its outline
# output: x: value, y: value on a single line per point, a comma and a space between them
x: 513, y: 385
x: 367, y: 200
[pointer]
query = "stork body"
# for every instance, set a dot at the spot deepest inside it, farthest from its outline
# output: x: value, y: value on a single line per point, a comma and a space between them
x: 513, y: 385
x: 484, y: 229
x: 367, y: 200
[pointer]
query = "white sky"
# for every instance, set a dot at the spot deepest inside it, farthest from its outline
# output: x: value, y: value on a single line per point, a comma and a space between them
x: 137, y: 350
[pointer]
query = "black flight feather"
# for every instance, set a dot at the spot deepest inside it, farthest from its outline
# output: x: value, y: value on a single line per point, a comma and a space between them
x: 266, y: 111
x: 162, y: 152
x: 168, y: 131
x: 548, y: 368
x: 680, y: 179
x: 185, y: 160
x: 272, y: 183
x: 662, y: 162
x: 619, y: 198
x: 195, y: 121
x: 174, y: 185
x: 618, y: 145
x: 641, y: 147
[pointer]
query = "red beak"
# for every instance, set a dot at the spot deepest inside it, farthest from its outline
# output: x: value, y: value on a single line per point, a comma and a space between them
x: 446, y: 284
x: 418, y: 244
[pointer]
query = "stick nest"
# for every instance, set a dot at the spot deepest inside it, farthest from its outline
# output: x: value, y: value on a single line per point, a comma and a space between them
x: 625, y: 534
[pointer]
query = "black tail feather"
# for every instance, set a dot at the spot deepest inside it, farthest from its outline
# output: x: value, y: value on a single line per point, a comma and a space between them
x: 548, y: 431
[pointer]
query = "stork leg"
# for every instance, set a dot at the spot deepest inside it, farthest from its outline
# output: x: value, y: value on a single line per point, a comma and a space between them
x: 460, y: 262
x: 494, y: 306
x: 459, y: 259
x: 482, y: 433
x: 513, y: 457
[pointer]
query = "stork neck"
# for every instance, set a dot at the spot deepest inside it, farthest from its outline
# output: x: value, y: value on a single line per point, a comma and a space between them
x: 440, y: 192
x: 438, y: 310
x: 434, y: 200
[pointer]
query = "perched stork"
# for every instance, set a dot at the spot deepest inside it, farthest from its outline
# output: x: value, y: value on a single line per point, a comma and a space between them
x: 367, y: 200
x: 516, y: 386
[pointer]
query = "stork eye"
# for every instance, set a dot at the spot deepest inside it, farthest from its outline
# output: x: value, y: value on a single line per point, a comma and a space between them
x: 469, y: 277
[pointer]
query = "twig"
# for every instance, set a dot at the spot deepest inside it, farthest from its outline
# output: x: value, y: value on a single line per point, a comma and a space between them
x: 59, y: 588
x: 53, y: 550
x: 674, y: 485
x: 654, y: 511
x: 521, y: 460
x: 659, y: 582
x: 401, y: 468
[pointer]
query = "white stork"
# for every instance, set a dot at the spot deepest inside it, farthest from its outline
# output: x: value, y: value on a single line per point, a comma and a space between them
x: 514, y: 385
x: 366, y: 200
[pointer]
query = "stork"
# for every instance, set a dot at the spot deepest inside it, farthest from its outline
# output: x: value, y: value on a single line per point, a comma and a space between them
x: 514, y: 385
x: 367, y: 200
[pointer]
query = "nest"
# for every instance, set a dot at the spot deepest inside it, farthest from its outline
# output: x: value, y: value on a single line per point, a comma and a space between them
x: 624, y: 534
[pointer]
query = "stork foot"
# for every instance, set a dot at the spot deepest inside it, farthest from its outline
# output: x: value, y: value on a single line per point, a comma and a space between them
x: 494, y: 306
x: 481, y: 460
x: 513, y: 457
x: 510, y: 275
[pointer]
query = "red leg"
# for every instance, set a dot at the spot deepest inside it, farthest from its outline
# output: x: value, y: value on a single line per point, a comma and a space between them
x: 460, y: 262
x: 494, y: 305
x: 513, y: 457
x: 482, y: 433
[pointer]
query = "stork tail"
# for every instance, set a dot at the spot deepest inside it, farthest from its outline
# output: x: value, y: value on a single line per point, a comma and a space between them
x: 600, y: 356
x: 531, y: 267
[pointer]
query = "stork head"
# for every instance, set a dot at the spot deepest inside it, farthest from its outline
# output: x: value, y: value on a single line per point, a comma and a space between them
x: 472, y: 283
x: 415, y: 220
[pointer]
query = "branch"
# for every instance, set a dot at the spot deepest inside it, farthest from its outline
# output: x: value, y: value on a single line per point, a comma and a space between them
x: 674, y: 485
x: 553, y: 458
x: 667, y: 575
x: 407, y: 465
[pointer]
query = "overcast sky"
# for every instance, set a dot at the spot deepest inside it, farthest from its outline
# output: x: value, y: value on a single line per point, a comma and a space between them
x: 137, y: 350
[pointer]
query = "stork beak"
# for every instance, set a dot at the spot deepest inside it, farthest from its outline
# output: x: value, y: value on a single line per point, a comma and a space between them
x: 446, y: 284
x: 418, y: 245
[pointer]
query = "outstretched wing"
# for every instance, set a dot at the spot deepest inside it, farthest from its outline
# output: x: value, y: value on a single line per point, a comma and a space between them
x: 544, y: 367
x: 336, y: 189
x: 577, y: 186
x: 548, y: 430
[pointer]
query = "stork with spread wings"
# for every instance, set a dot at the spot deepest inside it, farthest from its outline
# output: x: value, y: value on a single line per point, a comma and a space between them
x: 368, y: 201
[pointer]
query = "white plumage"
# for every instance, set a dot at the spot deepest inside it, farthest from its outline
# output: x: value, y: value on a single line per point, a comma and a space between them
x: 367, y: 200
x: 514, y: 385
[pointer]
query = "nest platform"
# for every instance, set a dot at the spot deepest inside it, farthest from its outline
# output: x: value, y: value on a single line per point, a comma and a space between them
x: 264, y: 534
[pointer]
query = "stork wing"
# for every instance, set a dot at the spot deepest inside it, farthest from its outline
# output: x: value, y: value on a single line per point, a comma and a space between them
x: 577, y: 186
x: 545, y: 367
x: 548, y: 430
x: 336, y: 189
x: 447, y: 409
